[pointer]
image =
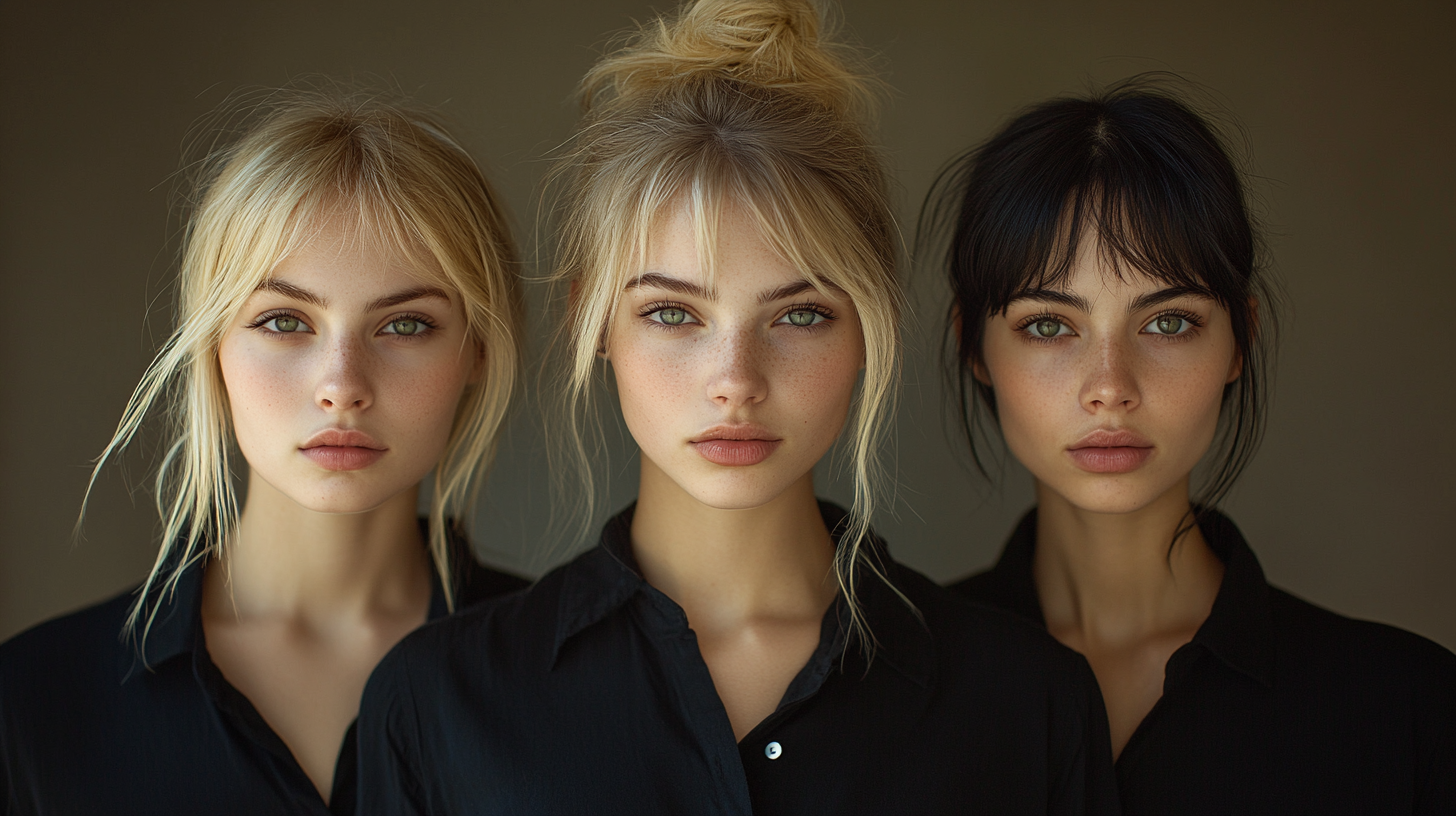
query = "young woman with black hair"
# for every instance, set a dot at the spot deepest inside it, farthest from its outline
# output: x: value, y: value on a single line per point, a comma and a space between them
x: 733, y: 645
x: 1111, y: 319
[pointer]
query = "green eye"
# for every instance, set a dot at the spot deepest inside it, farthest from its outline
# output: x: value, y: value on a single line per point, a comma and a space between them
x: 803, y: 318
x: 405, y: 326
x: 286, y: 324
x: 672, y: 317
x: 1047, y: 328
x: 1170, y: 325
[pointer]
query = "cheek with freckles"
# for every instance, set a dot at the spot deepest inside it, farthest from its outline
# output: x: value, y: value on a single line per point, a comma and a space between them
x: 1032, y: 404
x: 268, y: 394
x: 1185, y: 401
x: 274, y: 396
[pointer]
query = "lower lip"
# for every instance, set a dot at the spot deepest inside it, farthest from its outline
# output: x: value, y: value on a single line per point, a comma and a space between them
x: 339, y: 457
x: 736, y: 452
x: 1110, y: 460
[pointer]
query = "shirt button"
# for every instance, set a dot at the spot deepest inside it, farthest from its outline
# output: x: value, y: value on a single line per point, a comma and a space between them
x: 773, y: 750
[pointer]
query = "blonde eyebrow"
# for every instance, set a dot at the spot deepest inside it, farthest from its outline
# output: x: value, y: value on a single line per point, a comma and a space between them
x: 682, y: 287
x: 287, y: 289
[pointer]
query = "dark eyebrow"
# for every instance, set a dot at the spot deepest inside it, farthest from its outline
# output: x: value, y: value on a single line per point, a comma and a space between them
x: 1052, y: 296
x: 671, y: 284
x: 417, y: 293
x: 1139, y: 303
x: 1165, y: 295
x: 289, y: 290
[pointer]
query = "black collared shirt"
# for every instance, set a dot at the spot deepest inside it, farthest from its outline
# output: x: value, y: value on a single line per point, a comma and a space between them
x: 1276, y: 705
x: 588, y: 694
x: 86, y: 727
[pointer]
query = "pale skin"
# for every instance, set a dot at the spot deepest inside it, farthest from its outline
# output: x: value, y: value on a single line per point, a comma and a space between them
x: 328, y: 569
x: 742, y: 548
x: 1109, y: 354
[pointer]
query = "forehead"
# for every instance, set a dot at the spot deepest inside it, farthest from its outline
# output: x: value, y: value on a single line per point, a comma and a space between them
x: 343, y: 252
x: 722, y: 250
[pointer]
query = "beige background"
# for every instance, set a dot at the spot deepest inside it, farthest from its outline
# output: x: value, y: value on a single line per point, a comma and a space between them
x: 1348, y: 108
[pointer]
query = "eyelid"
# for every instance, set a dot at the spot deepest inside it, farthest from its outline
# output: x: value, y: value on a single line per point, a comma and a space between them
x: 273, y: 314
x: 648, y: 311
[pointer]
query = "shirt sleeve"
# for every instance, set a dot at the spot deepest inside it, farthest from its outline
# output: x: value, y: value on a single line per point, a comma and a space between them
x: 388, y: 743
x: 1085, y: 782
x: 1436, y: 734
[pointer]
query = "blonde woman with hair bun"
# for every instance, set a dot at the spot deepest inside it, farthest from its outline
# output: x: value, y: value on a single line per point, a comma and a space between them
x: 733, y: 645
x: 348, y: 325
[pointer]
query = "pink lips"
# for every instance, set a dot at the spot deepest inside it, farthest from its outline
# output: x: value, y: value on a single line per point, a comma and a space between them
x: 1110, y: 451
x: 735, y: 445
x: 342, y: 449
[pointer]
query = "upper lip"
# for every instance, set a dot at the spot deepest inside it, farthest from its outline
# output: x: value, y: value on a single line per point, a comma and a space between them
x: 342, y: 438
x: 1111, y: 438
x: 736, y: 432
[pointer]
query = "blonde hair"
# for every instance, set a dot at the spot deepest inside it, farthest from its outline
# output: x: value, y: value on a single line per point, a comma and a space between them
x: 748, y: 101
x: 401, y: 180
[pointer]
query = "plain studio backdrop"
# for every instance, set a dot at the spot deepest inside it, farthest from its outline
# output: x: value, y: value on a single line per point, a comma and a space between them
x: 1348, y: 111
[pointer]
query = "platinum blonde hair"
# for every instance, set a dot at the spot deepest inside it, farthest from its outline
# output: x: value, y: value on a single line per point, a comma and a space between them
x: 748, y: 103
x: 398, y: 179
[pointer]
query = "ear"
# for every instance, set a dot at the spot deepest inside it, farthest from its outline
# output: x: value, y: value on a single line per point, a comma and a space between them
x: 978, y: 370
x: 1236, y: 367
x: 957, y: 325
x: 477, y: 369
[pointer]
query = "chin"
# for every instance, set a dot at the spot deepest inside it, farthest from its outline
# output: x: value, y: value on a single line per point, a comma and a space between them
x: 735, y: 491
x: 1109, y: 496
x: 341, y: 499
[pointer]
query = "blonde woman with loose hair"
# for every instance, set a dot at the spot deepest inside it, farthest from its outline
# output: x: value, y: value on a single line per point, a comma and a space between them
x: 733, y: 645
x: 348, y: 326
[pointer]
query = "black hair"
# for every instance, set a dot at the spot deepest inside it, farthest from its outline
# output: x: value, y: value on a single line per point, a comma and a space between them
x: 1150, y: 176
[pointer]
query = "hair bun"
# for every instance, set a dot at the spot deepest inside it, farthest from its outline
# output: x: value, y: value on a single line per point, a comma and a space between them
x: 770, y: 43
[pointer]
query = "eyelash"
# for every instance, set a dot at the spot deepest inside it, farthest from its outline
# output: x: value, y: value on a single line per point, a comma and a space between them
x: 656, y: 306
x: 1195, y: 322
x: 652, y: 308
x: 430, y: 326
x: 262, y: 320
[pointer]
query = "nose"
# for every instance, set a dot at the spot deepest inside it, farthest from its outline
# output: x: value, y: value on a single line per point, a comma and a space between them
x: 344, y: 382
x: 737, y: 369
x: 1112, y: 380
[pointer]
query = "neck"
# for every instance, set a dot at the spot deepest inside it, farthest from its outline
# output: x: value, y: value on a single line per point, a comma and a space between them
x: 285, y: 561
x: 1111, y: 578
x: 729, y: 567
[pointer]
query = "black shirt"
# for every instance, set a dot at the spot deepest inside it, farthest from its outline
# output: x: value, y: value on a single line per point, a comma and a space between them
x: 588, y: 694
x: 87, y: 727
x: 1276, y: 705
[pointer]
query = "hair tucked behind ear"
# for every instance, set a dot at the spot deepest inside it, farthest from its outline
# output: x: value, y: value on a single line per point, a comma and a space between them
x: 741, y: 103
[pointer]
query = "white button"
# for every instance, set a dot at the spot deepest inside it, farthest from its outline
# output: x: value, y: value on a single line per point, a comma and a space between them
x: 773, y: 750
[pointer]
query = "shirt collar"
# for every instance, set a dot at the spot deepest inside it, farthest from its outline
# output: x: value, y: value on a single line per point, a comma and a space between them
x: 176, y: 623
x: 607, y: 577
x: 1238, y: 630
x: 1012, y: 584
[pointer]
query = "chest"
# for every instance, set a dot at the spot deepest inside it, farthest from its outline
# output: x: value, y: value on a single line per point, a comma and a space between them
x: 635, y: 725
x: 306, y: 690
x: 752, y: 666
x: 1218, y: 741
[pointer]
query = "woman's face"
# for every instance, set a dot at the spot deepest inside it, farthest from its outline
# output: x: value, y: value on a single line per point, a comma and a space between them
x: 1109, y: 390
x: 344, y: 370
x: 733, y: 391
